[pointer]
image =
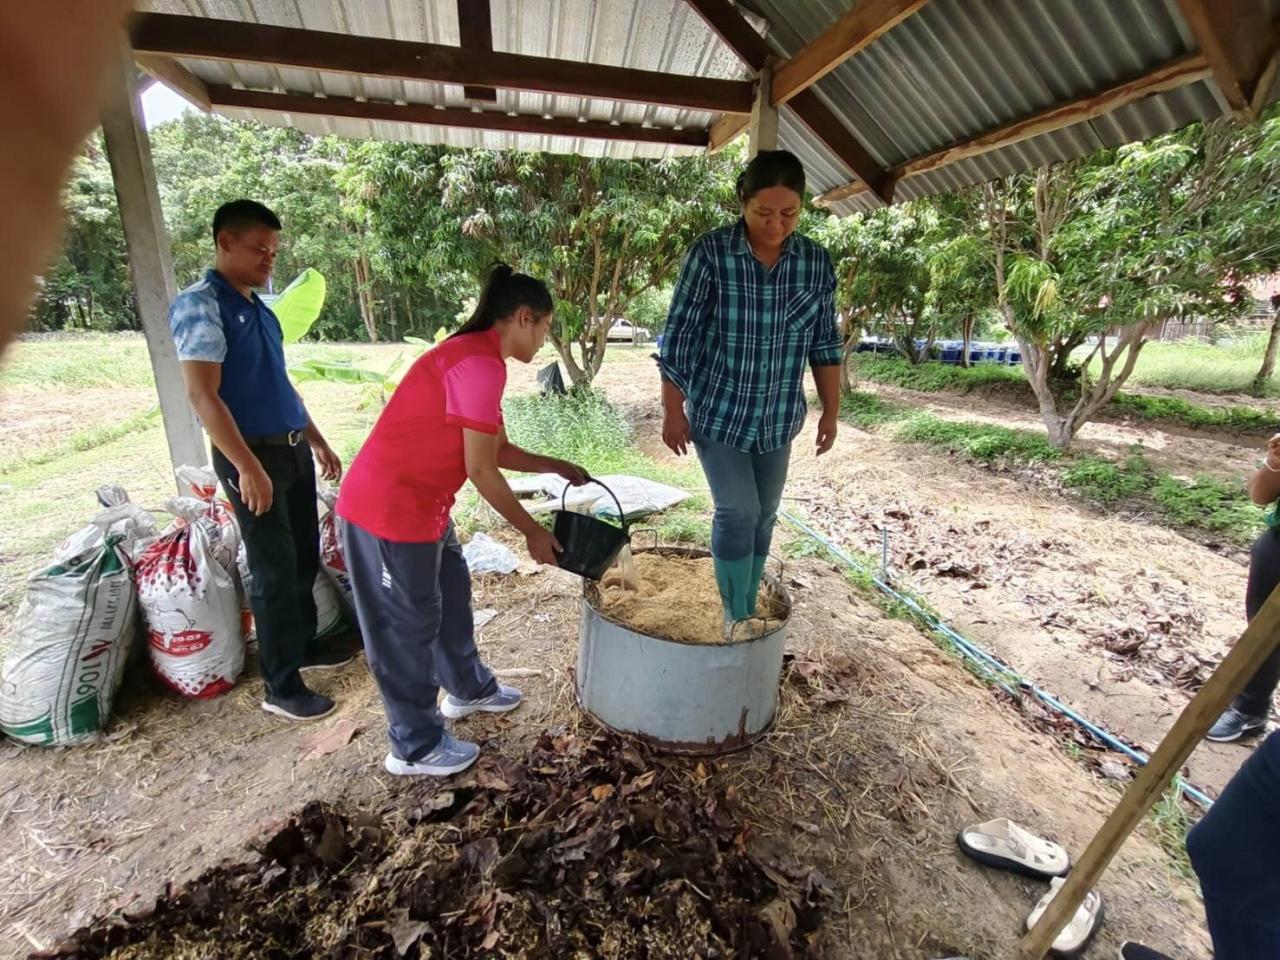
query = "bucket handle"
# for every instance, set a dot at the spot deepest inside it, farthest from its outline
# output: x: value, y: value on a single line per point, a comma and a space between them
x: 622, y: 518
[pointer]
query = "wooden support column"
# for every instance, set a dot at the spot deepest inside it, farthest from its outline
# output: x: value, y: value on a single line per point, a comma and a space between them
x: 1260, y: 639
x: 150, y: 262
x: 763, y: 132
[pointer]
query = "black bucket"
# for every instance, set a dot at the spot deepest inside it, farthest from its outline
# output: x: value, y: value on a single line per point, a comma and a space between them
x: 590, y: 545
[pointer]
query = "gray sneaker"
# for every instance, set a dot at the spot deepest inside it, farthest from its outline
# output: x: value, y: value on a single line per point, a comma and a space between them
x: 1234, y: 724
x: 449, y: 756
x: 504, y: 700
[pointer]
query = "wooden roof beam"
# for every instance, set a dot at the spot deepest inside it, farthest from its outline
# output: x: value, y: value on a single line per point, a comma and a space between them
x: 177, y: 78
x: 1169, y: 76
x: 754, y: 51
x: 1238, y: 41
x: 224, y: 96
x: 855, y: 31
x: 475, y: 30
x: 230, y: 40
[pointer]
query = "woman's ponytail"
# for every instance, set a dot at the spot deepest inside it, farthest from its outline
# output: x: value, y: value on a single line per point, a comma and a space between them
x: 505, y: 292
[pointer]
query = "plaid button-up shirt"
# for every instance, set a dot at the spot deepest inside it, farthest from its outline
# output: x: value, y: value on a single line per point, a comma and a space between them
x: 739, y: 335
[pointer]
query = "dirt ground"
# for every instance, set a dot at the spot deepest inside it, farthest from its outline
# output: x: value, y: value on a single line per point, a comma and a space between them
x: 883, y: 749
x: 1180, y: 450
x: 1120, y: 618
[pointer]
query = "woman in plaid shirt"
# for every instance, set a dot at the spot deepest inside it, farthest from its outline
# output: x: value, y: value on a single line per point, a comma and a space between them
x: 755, y: 304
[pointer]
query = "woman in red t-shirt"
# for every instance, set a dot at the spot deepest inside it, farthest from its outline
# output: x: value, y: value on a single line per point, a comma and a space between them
x: 411, y: 585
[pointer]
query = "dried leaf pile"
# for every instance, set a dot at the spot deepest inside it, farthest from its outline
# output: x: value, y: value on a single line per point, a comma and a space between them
x: 584, y: 849
x: 677, y: 599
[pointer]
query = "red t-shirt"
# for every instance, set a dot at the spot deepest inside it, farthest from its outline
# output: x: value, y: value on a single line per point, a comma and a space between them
x: 403, y: 482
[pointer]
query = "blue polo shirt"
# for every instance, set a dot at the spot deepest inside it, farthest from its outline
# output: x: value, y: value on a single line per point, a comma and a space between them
x: 212, y: 321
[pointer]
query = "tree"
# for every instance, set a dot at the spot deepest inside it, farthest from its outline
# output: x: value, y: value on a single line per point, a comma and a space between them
x: 599, y: 231
x: 905, y: 270
x: 1104, y: 250
x: 1259, y: 385
x: 88, y: 286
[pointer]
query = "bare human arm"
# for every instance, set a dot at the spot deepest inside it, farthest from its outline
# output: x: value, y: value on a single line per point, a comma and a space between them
x: 675, y: 422
x: 480, y: 451
x: 827, y: 379
x: 1264, y: 485
x: 203, y: 379
x: 511, y: 457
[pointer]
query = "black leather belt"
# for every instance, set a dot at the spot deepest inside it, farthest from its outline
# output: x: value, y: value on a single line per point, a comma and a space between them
x: 290, y: 439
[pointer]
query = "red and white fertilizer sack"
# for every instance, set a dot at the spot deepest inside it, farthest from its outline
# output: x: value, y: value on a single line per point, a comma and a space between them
x: 189, y: 603
x: 332, y: 588
x: 331, y: 558
x: 72, y: 636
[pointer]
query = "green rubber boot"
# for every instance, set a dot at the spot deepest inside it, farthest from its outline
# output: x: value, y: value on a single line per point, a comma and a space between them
x: 757, y: 574
x: 734, y: 578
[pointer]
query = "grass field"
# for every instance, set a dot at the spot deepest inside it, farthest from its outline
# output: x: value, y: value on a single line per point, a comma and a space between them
x: 102, y: 386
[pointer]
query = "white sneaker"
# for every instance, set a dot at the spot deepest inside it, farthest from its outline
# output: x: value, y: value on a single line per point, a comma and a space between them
x: 504, y: 701
x: 450, y: 756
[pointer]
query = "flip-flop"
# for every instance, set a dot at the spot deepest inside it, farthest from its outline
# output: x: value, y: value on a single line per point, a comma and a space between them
x: 1076, y: 935
x: 1004, y: 844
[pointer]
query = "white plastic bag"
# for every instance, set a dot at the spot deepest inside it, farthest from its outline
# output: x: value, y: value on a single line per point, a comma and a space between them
x: 639, y: 497
x: 189, y: 603
x: 203, y: 486
x: 71, y: 640
x: 485, y: 555
x: 134, y: 525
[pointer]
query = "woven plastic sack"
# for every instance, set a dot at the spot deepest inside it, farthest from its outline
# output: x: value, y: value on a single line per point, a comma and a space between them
x: 248, y: 629
x: 131, y: 523
x: 71, y: 640
x: 332, y: 562
x: 189, y: 604
x: 202, y: 484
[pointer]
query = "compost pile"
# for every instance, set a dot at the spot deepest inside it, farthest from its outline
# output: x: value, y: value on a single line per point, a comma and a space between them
x: 676, y: 598
x: 584, y: 849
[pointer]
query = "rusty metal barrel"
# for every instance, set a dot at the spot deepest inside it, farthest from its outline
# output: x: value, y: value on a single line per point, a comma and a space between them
x: 687, y: 698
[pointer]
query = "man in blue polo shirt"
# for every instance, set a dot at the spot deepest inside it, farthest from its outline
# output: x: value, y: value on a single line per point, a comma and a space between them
x: 232, y: 354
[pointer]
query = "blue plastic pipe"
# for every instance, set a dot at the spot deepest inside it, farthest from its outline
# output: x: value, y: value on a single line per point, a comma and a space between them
x: 1002, y: 674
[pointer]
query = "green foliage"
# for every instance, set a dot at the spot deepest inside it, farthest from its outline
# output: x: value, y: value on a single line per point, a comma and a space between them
x: 982, y: 442
x: 582, y: 427
x: 600, y: 231
x: 1208, y: 504
x: 649, y: 309
x: 1172, y: 823
x: 935, y: 377
x: 1225, y: 367
x: 1105, y: 482
x: 1175, y: 408
x: 866, y: 410
x: 88, y: 286
x: 96, y: 361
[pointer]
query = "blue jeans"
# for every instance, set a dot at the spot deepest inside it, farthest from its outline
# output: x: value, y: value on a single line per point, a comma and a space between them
x: 746, y: 488
x: 1235, y: 850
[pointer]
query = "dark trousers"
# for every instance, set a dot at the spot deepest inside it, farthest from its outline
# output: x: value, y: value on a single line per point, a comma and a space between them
x: 1264, y: 574
x: 414, y: 605
x: 1235, y: 850
x: 283, y: 548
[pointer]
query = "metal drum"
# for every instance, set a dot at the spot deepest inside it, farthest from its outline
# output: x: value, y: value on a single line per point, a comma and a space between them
x: 679, y: 697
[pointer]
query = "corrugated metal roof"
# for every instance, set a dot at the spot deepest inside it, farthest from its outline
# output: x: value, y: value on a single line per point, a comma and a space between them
x: 957, y: 68
x: 662, y: 35
x: 953, y: 70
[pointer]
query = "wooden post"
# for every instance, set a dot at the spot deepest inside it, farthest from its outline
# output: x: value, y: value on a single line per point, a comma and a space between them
x: 763, y: 132
x: 1260, y: 639
x: 150, y: 262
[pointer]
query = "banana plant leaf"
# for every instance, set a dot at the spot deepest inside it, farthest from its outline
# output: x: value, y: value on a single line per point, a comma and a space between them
x: 299, y: 305
x: 334, y: 371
